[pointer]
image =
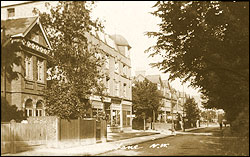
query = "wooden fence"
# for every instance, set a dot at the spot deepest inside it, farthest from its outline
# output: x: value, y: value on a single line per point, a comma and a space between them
x: 18, y: 136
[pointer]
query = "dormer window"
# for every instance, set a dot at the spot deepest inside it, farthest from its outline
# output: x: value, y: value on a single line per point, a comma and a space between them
x: 126, y: 52
x: 11, y: 12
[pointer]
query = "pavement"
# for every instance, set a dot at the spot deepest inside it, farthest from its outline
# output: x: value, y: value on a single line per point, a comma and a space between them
x: 114, y: 141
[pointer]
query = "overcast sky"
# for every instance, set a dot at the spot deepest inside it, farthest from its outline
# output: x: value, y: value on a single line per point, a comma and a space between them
x: 132, y: 20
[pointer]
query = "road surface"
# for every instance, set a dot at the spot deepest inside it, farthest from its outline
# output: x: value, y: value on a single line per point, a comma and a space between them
x: 207, y: 141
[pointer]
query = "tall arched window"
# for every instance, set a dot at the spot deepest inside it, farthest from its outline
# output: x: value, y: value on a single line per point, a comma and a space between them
x: 40, y: 70
x: 39, y: 108
x: 29, y: 108
x: 28, y: 67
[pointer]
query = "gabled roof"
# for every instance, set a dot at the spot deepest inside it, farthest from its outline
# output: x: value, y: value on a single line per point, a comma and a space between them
x: 154, y: 78
x: 20, y: 27
x: 15, y: 27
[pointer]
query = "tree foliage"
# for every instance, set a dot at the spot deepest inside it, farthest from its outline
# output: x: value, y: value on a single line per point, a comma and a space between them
x: 9, y: 58
x: 74, y: 70
x: 9, y: 112
x: 206, y: 43
x: 146, y: 98
x: 192, y: 111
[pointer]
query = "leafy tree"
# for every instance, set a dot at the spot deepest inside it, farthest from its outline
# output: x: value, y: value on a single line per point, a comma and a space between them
x: 9, y: 58
x: 208, y: 115
x: 192, y: 111
x: 9, y: 112
x: 146, y: 98
x: 206, y: 43
x: 74, y: 68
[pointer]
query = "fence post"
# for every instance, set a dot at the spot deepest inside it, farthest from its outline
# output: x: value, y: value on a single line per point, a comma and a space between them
x: 103, y: 131
x: 13, y: 137
x: 94, y: 129
x: 58, y: 125
x: 78, y: 128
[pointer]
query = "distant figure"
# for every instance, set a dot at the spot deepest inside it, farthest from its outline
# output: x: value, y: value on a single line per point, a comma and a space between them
x: 220, y: 118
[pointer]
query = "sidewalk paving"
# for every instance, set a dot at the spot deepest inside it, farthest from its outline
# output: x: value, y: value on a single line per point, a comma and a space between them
x: 127, y: 138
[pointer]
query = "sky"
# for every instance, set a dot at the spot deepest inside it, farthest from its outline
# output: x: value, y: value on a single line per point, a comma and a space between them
x: 132, y: 20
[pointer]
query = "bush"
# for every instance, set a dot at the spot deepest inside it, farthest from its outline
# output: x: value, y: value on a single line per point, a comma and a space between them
x: 9, y: 112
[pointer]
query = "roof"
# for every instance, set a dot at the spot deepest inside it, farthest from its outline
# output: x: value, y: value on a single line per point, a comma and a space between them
x: 17, y: 26
x: 21, y: 27
x: 154, y: 78
x: 120, y: 40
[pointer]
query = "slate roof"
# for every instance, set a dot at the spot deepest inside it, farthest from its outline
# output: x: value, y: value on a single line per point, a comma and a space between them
x: 17, y: 26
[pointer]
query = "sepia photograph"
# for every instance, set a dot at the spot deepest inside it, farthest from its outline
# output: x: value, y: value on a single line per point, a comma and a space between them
x: 124, y: 78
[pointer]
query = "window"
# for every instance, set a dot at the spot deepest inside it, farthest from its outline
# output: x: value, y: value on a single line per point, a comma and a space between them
x: 28, y: 67
x: 97, y: 112
x: 11, y: 12
x: 126, y: 118
x: 116, y: 118
x: 39, y: 108
x: 117, y: 67
x: 107, y: 61
x: 124, y: 70
x: 40, y: 70
x: 126, y: 52
x: 29, y: 108
x: 117, y: 89
x: 125, y: 90
x: 39, y: 112
x: 107, y: 85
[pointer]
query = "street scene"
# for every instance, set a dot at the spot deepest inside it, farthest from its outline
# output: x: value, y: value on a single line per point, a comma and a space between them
x: 129, y: 78
x: 205, y: 141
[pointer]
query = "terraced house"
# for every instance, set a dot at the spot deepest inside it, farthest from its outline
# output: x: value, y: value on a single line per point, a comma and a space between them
x: 26, y: 91
x: 117, y: 69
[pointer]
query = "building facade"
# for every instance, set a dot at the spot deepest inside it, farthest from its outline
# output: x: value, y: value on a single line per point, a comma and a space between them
x: 117, y: 69
x: 172, y: 99
x: 26, y: 91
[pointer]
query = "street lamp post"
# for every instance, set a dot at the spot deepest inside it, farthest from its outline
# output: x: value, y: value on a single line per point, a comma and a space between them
x: 183, y: 121
x: 172, y: 108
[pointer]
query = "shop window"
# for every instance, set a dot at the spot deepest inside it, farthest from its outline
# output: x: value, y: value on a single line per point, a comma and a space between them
x: 116, y: 118
x: 126, y: 118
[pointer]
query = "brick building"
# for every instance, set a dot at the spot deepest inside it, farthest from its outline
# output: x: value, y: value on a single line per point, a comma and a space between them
x: 26, y: 91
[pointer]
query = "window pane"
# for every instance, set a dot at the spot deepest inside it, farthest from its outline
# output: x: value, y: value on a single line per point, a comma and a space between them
x: 30, y: 112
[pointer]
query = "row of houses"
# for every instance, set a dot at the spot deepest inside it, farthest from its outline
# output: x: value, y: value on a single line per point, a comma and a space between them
x: 170, y: 96
x: 19, y: 25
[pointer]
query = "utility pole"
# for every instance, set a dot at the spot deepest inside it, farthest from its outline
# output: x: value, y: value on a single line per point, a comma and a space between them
x: 172, y: 109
